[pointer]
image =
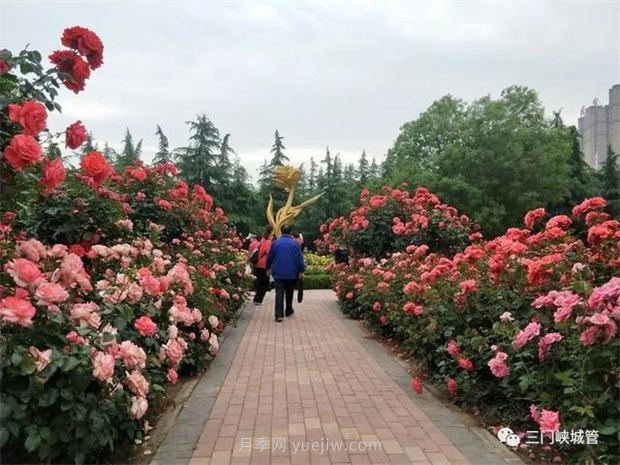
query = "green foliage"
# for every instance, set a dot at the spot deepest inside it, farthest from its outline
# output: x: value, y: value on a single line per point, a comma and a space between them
x: 317, y: 281
x: 492, y: 159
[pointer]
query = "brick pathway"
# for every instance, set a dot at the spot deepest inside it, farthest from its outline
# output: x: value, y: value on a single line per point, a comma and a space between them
x: 314, y: 382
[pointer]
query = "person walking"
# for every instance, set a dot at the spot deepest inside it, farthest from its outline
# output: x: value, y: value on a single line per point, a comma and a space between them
x: 286, y: 265
x: 260, y: 267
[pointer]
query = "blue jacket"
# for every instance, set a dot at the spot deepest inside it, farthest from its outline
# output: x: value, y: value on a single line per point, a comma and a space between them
x: 285, y: 259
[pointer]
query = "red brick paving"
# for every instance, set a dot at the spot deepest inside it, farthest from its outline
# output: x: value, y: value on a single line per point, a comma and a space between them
x: 309, y: 379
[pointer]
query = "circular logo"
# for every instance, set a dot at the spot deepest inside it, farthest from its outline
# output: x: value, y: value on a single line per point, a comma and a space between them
x: 508, y: 437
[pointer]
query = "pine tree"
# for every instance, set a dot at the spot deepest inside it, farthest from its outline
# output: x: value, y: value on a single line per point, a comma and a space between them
x: 198, y: 161
x: 163, y: 153
x: 374, y: 169
x: 278, y: 157
x: 130, y: 154
x: 610, y: 175
x: 363, y: 169
x: 224, y: 164
x: 110, y: 154
x: 312, y: 174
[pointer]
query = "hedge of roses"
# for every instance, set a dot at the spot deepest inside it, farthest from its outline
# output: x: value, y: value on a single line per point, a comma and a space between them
x: 521, y: 329
x: 112, y: 285
x: 388, y: 222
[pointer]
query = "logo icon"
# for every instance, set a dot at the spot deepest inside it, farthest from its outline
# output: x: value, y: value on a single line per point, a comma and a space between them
x: 508, y: 437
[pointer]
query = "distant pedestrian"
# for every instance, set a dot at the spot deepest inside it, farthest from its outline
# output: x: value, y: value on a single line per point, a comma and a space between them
x: 260, y: 266
x: 286, y: 264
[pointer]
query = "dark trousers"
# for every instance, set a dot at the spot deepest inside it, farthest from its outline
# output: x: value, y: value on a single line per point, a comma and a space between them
x: 284, y: 288
x: 261, y: 284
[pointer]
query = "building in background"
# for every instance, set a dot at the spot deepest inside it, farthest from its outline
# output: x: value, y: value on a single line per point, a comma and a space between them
x: 599, y: 126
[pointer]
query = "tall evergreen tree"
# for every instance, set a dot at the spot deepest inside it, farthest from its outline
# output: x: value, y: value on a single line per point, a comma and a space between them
x: 90, y: 145
x: 278, y: 157
x: 363, y: 169
x: 110, y: 154
x: 163, y: 154
x: 198, y: 161
x: 610, y: 175
x: 130, y: 153
x: 312, y: 175
x: 373, y: 173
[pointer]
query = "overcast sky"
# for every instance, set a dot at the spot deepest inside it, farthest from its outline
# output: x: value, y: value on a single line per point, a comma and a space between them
x: 341, y: 74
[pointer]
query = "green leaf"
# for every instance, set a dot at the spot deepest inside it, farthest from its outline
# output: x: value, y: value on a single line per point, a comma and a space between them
x: 608, y: 430
x: 32, y: 441
x: 4, y: 436
x: 27, y: 366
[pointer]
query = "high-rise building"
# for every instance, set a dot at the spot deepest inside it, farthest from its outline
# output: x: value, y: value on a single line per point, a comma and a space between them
x: 599, y: 126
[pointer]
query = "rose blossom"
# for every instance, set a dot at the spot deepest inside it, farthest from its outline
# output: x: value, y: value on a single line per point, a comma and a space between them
x: 453, y: 348
x: 103, y: 366
x: 132, y: 355
x: 416, y: 385
x: 145, y: 326
x: 214, y: 345
x: 205, y: 335
x: 31, y: 116
x: 213, y: 321
x: 23, y: 271
x: 75, y: 338
x: 466, y: 364
x: 137, y: 383
x: 549, y: 421
x: 139, y: 406
x: 451, y: 385
x: 41, y: 359
x: 95, y: 165
x: 498, y: 365
x: 71, y: 64
x: 528, y: 333
x: 174, y: 351
x: 86, y: 42
x: 32, y: 249
x: 172, y: 376
x: 506, y: 317
x: 50, y: 294
x: 22, y: 152
x: 85, y: 314
x: 75, y: 135
x: 545, y: 343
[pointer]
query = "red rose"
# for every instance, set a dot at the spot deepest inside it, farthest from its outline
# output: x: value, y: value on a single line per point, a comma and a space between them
x: 4, y: 67
x: 23, y: 151
x: 70, y: 63
x: 96, y: 166
x: 86, y: 42
x: 75, y: 135
x: 54, y: 174
x: 32, y: 116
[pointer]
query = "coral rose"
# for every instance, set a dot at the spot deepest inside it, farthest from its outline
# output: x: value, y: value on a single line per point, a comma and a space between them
x: 95, y: 165
x: 54, y: 174
x: 416, y: 385
x: 145, y: 326
x: 17, y: 310
x: 23, y: 271
x: 73, y: 67
x: 172, y: 376
x: 31, y: 116
x: 103, y: 366
x: 23, y: 151
x: 85, y: 314
x: 75, y: 135
x: 86, y: 42
x: 132, y: 355
x: 50, y: 294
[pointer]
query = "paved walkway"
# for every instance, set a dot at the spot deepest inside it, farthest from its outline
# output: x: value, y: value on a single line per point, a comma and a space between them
x: 316, y: 390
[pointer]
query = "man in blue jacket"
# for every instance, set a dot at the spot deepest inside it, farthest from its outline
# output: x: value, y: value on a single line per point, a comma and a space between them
x: 286, y: 264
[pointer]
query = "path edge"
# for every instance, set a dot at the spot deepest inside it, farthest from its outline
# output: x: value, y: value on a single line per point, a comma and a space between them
x: 186, y: 422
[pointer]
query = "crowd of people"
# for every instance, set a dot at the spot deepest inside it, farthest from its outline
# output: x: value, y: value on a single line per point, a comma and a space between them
x: 278, y: 261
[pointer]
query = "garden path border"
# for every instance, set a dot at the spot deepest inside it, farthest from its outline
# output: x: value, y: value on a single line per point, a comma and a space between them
x: 471, y: 440
x: 185, y: 427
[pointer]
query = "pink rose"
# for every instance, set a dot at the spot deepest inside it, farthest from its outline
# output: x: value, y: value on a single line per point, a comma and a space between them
x: 145, y: 326
x: 172, y: 376
x: 549, y: 421
x: 453, y: 349
x: 466, y: 364
x: 32, y: 249
x: 41, y: 359
x: 103, y: 366
x: 139, y: 406
x: 75, y: 338
x: 17, y: 309
x: 86, y: 314
x: 23, y: 271
x: 132, y: 355
x: 498, y: 365
x: 451, y: 386
x: 528, y: 333
x: 137, y: 383
x: 174, y: 352
x: 416, y: 385
x: 50, y: 294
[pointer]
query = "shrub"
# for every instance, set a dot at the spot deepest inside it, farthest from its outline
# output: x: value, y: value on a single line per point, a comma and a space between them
x: 317, y: 281
x: 387, y: 223
x: 512, y: 326
x: 113, y: 284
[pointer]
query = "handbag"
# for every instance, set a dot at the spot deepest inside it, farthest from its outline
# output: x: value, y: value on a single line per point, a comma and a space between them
x: 300, y: 290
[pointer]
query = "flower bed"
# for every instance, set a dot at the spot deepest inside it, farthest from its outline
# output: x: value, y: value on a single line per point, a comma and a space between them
x: 113, y: 284
x: 316, y: 276
x: 521, y: 329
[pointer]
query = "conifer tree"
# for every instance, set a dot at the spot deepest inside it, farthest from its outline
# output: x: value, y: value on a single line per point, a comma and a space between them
x: 163, y: 154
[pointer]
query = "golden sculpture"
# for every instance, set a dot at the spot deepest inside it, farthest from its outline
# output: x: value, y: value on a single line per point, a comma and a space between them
x: 286, y: 177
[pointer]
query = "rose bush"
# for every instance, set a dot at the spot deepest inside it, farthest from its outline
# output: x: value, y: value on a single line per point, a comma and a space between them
x: 388, y: 222
x: 112, y: 285
x: 510, y: 327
